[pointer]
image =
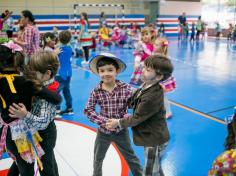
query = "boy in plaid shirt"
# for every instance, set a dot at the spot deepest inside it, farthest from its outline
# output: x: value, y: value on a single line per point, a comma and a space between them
x: 112, y: 96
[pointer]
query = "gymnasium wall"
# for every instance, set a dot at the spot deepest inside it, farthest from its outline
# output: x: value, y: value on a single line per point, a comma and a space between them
x: 49, y: 13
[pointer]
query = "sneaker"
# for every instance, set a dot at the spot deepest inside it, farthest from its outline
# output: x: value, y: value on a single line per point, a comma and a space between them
x: 84, y: 62
x: 168, y: 116
x: 68, y: 111
x: 58, y: 116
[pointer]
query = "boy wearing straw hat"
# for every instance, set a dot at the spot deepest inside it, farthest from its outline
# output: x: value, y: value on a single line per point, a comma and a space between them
x: 148, y: 120
x: 112, y: 96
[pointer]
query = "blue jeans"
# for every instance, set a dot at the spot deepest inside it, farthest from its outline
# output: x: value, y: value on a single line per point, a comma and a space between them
x: 65, y: 88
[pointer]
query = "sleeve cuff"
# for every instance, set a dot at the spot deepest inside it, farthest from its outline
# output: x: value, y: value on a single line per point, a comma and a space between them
x: 28, y: 115
x: 119, y: 125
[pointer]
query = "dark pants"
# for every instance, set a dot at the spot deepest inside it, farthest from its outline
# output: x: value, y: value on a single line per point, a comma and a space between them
x: 13, y: 170
x: 122, y: 142
x: 86, y: 52
x: 65, y: 88
x: 49, y: 136
x: 9, y: 33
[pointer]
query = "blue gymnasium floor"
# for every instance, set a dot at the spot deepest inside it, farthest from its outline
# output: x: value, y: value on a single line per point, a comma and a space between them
x: 206, y: 76
x: 204, y: 96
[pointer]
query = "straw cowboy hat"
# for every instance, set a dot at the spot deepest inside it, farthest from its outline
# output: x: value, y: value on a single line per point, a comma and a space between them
x: 93, y: 62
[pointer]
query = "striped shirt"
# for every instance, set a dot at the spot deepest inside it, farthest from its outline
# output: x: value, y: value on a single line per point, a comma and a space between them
x: 112, y: 105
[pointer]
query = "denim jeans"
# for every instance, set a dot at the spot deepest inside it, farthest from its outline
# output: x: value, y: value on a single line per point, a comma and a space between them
x: 65, y: 88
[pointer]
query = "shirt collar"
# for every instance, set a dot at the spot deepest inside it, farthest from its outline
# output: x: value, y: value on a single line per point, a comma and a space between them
x: 118, y: 84
x: 50, y: 81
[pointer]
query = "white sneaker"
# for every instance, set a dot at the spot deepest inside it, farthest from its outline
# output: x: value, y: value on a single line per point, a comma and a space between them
x: 58, y: 116
x: 84, y: 62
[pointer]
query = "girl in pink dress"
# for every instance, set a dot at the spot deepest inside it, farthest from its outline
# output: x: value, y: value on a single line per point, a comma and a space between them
x: 143, y: 49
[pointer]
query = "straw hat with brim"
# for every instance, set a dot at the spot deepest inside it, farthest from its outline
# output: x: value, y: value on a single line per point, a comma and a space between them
x: 93, y: 62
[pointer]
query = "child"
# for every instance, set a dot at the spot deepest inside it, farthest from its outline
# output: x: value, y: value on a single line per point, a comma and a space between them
x: 111, y: 95
x: 148, y: 120
x: 43, y: 67
x: 225, y: 164
x: 56, y: 33
x: 143, y: 49
x: 218, y: 30
x: 192, y: 37
x: 104, y: 36
x: 230, y: 31
x: 161, y: 30
x: 65, y: 71
x: 230, y: 142
x: 116, y: 35
x: 123, y: 36
x: 161, y: 47
x: 84, y: 37
x: 15, y: 88
x: 185, y: 30
x: 49, y: 42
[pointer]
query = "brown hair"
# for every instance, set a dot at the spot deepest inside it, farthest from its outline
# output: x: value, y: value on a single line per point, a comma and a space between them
x: 65, y: 37
x: 9, y: 59
x: 41, y: 61
x: 161, y: 64
x: 230, y: 142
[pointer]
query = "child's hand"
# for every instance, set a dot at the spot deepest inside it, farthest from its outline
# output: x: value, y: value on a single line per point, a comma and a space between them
x: 17, y: 111
x: 112, y: 123
x: 105, y: 126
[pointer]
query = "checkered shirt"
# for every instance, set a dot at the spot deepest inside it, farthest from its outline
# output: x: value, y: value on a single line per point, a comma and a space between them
x: 41, y: 115
x: 31, y: 37
x: 112, y: 105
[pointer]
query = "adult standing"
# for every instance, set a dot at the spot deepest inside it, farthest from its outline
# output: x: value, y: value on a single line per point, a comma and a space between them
x: 9, y: 23
x: 3, y: 18
x: 84, y: 37
x: 30, y: 42
x: 199, y: 27
x: 102, y: 19
x: 182, y: 20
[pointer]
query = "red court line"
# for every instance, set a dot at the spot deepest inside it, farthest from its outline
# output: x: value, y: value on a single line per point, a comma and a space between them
x: 3, y: 172
x: 125, y: 168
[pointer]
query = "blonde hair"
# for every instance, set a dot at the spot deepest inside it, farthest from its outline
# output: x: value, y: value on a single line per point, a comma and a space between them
x: 164, y: 44
x: 149, y: 30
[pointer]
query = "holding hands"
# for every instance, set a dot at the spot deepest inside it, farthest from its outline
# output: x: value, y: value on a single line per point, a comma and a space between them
x: 112, y: 124
x: 17, y: 110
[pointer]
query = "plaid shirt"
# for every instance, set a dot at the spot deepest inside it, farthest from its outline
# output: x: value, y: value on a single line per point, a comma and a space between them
x: 41, y: 115
x: 31, y: 37
x: 42, y: 112
x: 112, y: 105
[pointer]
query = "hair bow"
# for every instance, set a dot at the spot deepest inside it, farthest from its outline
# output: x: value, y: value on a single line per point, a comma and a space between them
x: 48, y: 39
x: 14, y: 47
x: 165, y: 43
